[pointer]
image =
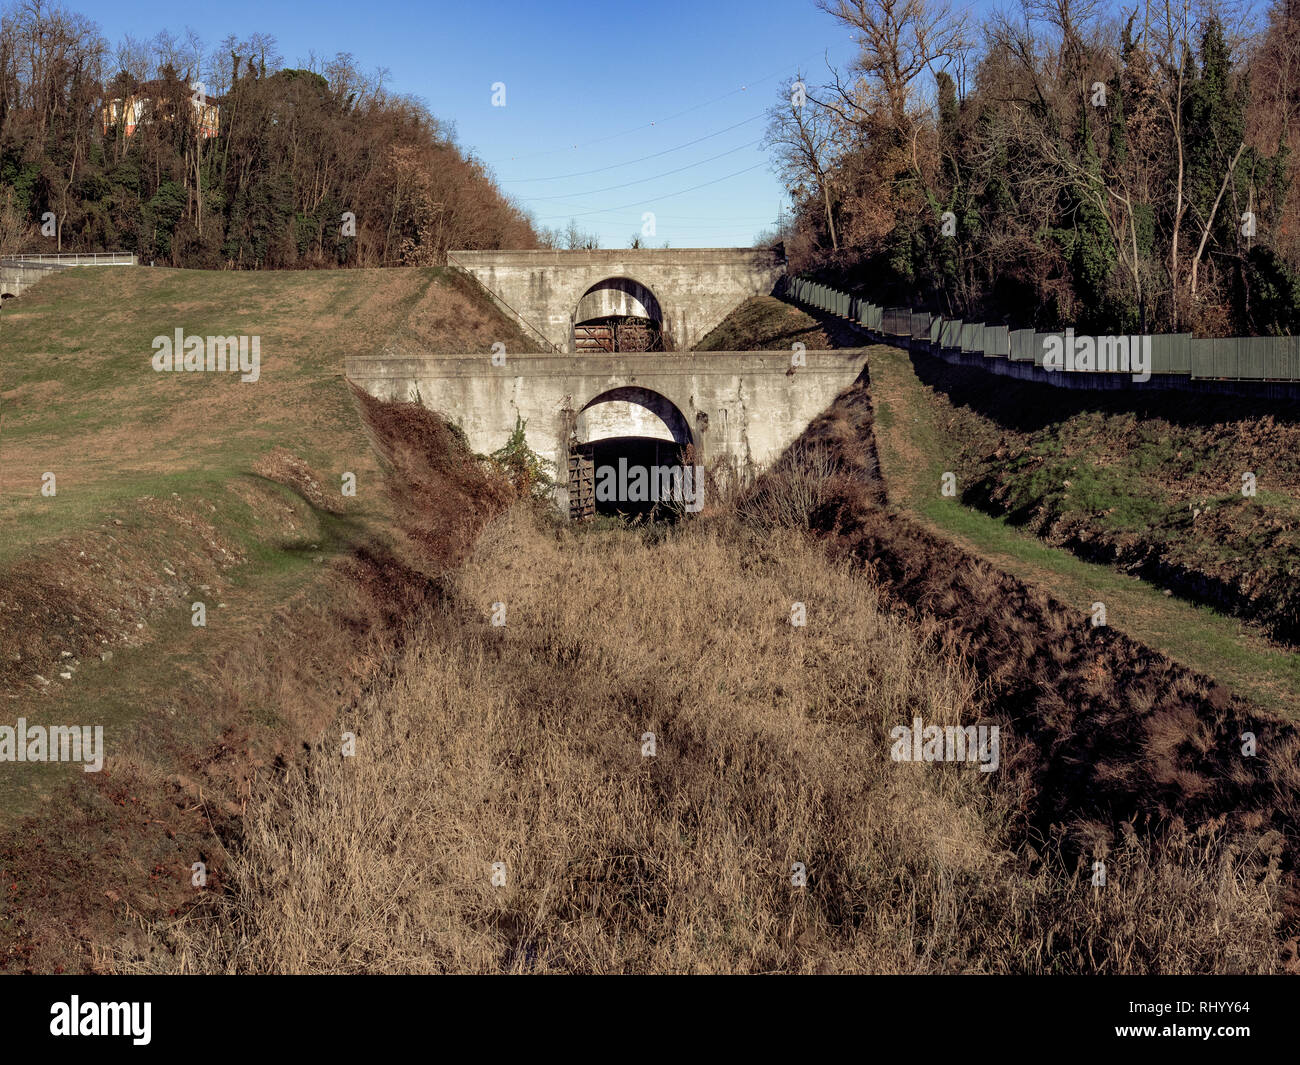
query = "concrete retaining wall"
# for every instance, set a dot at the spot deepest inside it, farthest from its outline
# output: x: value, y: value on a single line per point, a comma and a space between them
x: 743, y: 407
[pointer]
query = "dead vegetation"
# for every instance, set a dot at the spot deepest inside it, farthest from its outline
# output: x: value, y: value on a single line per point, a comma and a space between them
x: 1125, y: 739
x: 211, y: 724
x: 522, y: 744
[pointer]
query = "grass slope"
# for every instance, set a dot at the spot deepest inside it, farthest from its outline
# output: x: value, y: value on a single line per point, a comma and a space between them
x: 175, y: 488
x: 916, y: 448
x: 80, y: 398
x: 765, y: 323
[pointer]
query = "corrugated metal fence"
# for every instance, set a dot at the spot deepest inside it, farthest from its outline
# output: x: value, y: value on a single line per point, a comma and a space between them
x: 1231, y: 359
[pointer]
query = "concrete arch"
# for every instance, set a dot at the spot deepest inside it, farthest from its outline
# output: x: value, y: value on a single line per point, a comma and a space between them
x: 623, y: 421
x: 622, y: 297
x: 695, y: 288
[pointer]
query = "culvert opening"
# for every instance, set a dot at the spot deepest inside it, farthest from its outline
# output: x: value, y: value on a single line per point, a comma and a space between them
x: 638, y: 477
x: 618, y: 314
x: 632, y: 455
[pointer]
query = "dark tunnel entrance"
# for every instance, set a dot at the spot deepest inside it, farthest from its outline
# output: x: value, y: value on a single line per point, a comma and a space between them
x: 633, y: 455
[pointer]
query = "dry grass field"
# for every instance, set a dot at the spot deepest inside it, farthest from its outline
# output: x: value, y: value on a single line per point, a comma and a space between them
x: 523, y: 744
x: 646, y: 768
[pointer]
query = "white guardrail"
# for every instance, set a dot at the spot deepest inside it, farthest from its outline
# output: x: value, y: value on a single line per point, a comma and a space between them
x: 91, y: 258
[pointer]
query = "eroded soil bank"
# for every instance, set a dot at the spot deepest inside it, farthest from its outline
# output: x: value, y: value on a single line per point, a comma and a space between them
x: 640, y: 767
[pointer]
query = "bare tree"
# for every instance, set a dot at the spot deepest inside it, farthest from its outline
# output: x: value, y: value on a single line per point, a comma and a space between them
x: 802, y: 133
x: 898, y: 41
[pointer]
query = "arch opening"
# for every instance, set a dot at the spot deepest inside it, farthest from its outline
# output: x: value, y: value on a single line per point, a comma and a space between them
x: 618, y: 314
x: 632, y: 453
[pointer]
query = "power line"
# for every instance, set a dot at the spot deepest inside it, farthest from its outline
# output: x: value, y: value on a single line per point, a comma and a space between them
x: 706, y: 217
x: 654, y: 199
x: 642, y: 159
x: 677, y: 225
x: 669, y: 118
x: 642, y: 181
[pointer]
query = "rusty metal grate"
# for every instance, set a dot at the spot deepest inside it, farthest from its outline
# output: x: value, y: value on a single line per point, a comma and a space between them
x: 582, y: 485
x: 589, y: 339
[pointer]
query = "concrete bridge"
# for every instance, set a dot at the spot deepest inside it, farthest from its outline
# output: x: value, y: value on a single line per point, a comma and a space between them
x: 685, y: 292
x: 738, y: 407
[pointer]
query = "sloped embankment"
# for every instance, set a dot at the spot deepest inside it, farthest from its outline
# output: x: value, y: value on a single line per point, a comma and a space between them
x: 1121, y: 738
x: 609, y: 750
x: 173, y: 491
x: 1151, y: 484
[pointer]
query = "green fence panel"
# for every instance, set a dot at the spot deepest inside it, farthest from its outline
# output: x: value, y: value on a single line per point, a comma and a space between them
x: 1226, y: 357
x: 1252, y: 357
x: 1229, y: 358
x: 997, y: 341
x: 1162, y: 352
x: 1202, y: 358
x: 1180, y: 353
x: 1277, y: 358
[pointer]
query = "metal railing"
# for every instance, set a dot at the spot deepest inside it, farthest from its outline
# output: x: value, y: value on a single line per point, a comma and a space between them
x: 90, y: 258
x: 553, y: 348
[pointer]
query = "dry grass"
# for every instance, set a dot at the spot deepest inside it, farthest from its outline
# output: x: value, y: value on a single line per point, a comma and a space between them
x: 522, y: 744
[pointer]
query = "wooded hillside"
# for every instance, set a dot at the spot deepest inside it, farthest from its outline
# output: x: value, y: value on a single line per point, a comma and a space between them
x: 294, y: 151
x: 1116, y: 167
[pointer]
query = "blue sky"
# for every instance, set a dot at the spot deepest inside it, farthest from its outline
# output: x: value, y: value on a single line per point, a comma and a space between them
x: 589, y: 87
